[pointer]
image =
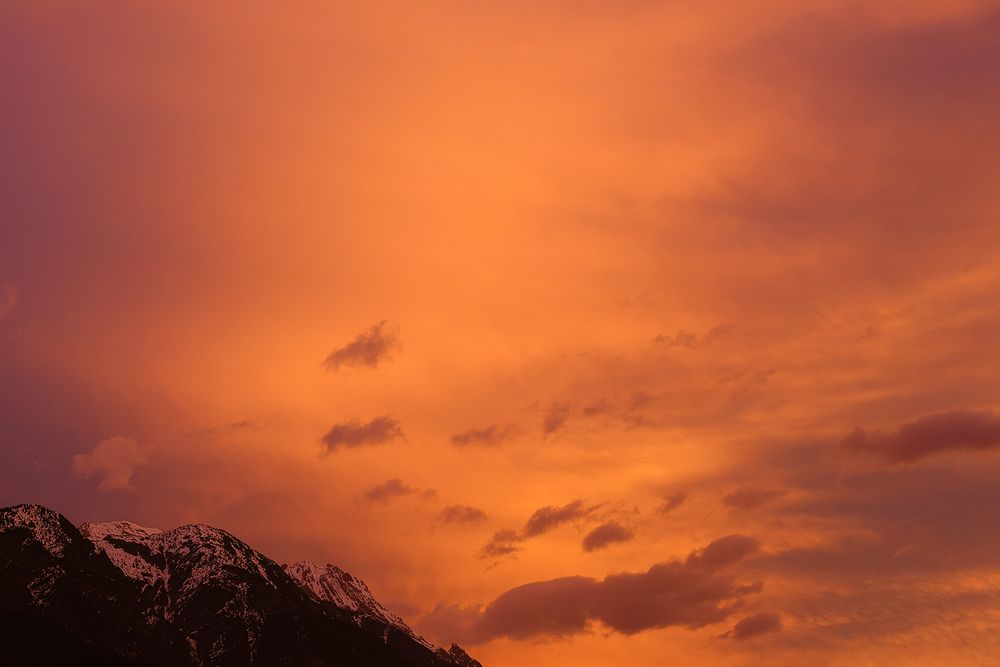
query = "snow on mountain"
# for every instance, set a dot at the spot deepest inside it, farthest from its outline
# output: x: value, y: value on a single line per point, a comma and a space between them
x: 146, y: 554
x: 45, y: 524
x: 119, y: 529
x: 177, y: 566
x: 207, y: 551
x: 349, y: 593
x: 117, y: 539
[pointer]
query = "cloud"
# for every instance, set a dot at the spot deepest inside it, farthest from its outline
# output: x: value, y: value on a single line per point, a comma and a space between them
x: 597, y: 408
x: 8, y: 298
x: 115, y: 460
x: 463, y: 514
x: 748, y: 499
x: 546, y: 518
x: 541, y: 521
x: 489, y: 436
x: 672, y: 502
x: 723, y: 552
x: 555, y: 418
x: 753, y: 626
x: 502, y: 543
x: 605, y: 535
x: 368, y: 349
x: 955, y: 430
x: 388, y: 490
x: 695, y: 592
x: 354, y: 434
x: 691, y: 341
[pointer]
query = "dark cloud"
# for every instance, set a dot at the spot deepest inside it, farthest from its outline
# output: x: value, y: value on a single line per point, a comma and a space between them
x: 388, y: 490
x: 932, y: 434
x: 753, y: 626
x: 749, y: 498
x: 489, y: 436
x: 605, y: 535
x: 546, y: 518
x: 723, y: 552
x: 672, y: 502
x: 555, y: 418
x: 927, y: 520
x: 543, y: 520
x: 695, y: 592
x: 355, y: 434
x: 464, y: 514
x: 690, y: 340
x: 368, y: 349
x: 597, y: 408
x: 503, y: 543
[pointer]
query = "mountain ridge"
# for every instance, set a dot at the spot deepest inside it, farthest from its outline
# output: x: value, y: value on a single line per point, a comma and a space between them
x: 196, y: 595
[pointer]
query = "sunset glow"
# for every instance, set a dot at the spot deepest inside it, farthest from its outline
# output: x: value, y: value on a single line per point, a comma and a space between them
x: 587, y: 334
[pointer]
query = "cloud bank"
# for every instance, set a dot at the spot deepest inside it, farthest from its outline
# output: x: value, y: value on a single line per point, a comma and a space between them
x: 955, y: 430
x: 697, y: 591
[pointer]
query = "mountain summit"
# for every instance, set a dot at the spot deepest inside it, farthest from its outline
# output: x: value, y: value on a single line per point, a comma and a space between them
x: 118, y: 593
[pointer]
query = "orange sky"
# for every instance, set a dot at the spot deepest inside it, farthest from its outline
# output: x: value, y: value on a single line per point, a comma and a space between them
x: 377, y: 283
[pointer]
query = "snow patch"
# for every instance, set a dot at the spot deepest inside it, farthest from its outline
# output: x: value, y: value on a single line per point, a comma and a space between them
x: 349, y: 593
x: 41, y: 521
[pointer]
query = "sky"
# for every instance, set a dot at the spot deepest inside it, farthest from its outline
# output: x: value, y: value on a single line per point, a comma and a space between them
x: 595, y: 334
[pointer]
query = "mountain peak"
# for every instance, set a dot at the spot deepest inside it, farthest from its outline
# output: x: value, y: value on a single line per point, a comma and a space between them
x: 49, y: 528
x: 125, y: 530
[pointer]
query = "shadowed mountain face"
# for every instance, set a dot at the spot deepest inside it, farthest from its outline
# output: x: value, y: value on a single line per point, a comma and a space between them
x: 121, y: 594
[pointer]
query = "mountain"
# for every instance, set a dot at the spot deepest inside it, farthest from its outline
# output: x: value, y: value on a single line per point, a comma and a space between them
x: 333, y: 585
x: 121, y: 594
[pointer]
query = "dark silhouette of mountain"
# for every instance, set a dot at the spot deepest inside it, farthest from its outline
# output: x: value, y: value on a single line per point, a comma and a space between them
x: 120, y: 594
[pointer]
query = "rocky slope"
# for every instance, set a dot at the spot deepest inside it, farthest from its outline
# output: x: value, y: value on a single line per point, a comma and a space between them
x: 118, y: 593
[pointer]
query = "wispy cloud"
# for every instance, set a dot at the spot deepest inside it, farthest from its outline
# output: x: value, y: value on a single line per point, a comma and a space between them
x: 368, y: 349
x: 541, y: 521
x: 462, y: 514
x: 545, y: 519
x: 692, y: 341
x: 555, y: 418
x: 672, y: 502
x: 489, y: 436
x: 388, y: 490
